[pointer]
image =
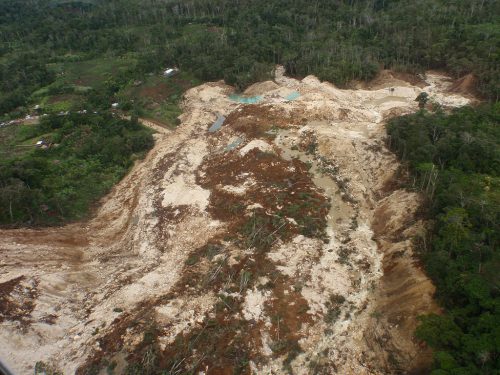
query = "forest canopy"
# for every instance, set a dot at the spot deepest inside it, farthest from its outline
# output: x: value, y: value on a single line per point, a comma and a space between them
x: 81, y: 158
x: 241, y: 41
x: 455, y: 159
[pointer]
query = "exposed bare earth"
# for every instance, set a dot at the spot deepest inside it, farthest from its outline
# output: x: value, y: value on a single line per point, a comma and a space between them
x: 280, y: 243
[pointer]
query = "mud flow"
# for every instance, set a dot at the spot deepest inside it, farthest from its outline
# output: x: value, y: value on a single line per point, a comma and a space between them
x: 260, y: 236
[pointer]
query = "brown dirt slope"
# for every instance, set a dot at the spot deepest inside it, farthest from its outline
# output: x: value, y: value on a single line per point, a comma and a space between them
x: 277, y: 244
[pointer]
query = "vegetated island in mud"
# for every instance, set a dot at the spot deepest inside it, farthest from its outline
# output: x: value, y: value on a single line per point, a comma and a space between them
x: 276, y: 242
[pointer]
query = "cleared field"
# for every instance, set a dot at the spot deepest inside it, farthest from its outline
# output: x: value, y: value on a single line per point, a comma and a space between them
x: 75, y: 78
x: 16, y: 140
x: 91, y: 73
x: 158, y: 97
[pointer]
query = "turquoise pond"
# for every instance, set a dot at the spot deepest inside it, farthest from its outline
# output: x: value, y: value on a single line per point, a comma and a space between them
x: 294, y: 95
x: 246, y: 99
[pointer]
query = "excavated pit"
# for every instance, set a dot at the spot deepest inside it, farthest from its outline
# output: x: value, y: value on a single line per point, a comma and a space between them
x: 279, y: 241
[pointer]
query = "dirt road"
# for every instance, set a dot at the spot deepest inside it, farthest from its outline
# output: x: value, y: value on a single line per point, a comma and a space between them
x: 279, y: 243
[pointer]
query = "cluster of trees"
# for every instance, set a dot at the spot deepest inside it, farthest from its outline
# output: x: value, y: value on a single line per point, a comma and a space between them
x: 20, y: 75
x: 242, y: 40
x: 88, y: 154
x: 455, y: 159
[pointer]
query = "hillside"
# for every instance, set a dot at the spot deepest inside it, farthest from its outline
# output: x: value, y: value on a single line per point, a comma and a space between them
x: 273, y: 242
x: 249, y: 187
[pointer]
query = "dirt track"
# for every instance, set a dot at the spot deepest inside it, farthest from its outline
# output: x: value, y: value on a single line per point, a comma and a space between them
x: 341, y: 297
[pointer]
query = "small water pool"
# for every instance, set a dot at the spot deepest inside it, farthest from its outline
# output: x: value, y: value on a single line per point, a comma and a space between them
x: 294, y: 95
x: 217, y: 124
x: 233, y: 144
x: 246, y: 99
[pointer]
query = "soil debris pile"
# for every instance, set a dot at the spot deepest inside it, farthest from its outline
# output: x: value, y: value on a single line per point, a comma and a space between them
x: 276, y: 244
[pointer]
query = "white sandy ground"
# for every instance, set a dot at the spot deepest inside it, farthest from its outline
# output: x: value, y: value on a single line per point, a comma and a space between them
x: 256, y: 144
x: 125, y: 255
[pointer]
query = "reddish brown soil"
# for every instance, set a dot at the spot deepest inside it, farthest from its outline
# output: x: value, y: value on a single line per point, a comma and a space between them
x: 411, y: 78
x: 17, y: 300
x: 465, y: 85
x: 163, y: 90
x: 402, y: 280
x: 282, y: 188
x: 225, y: 343
x: 255, y: 121
x: 63, y: 97
x: 155, y: 122
x: 158, y: 93
x: 386, y: 78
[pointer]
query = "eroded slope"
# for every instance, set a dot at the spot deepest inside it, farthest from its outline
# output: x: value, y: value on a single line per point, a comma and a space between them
x: 279, y: 243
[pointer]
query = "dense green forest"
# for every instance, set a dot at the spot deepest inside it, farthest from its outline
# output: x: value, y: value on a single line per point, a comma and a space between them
x: 242, y: 40
x: 83, y: 157
x: 455, y: 159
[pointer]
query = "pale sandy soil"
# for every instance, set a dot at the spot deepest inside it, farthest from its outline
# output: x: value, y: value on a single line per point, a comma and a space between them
x: 84, y: 279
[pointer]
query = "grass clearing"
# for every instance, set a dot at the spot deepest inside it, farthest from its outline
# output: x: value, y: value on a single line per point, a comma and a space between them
x: 158, y: 97
x: 75, y: 78
x: 18, y: 140
x: 91, y: 73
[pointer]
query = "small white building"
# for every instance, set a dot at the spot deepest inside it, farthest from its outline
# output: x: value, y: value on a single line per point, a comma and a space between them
x: 170, y: 72
x: 115, y: 105
x: 42, y: 144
